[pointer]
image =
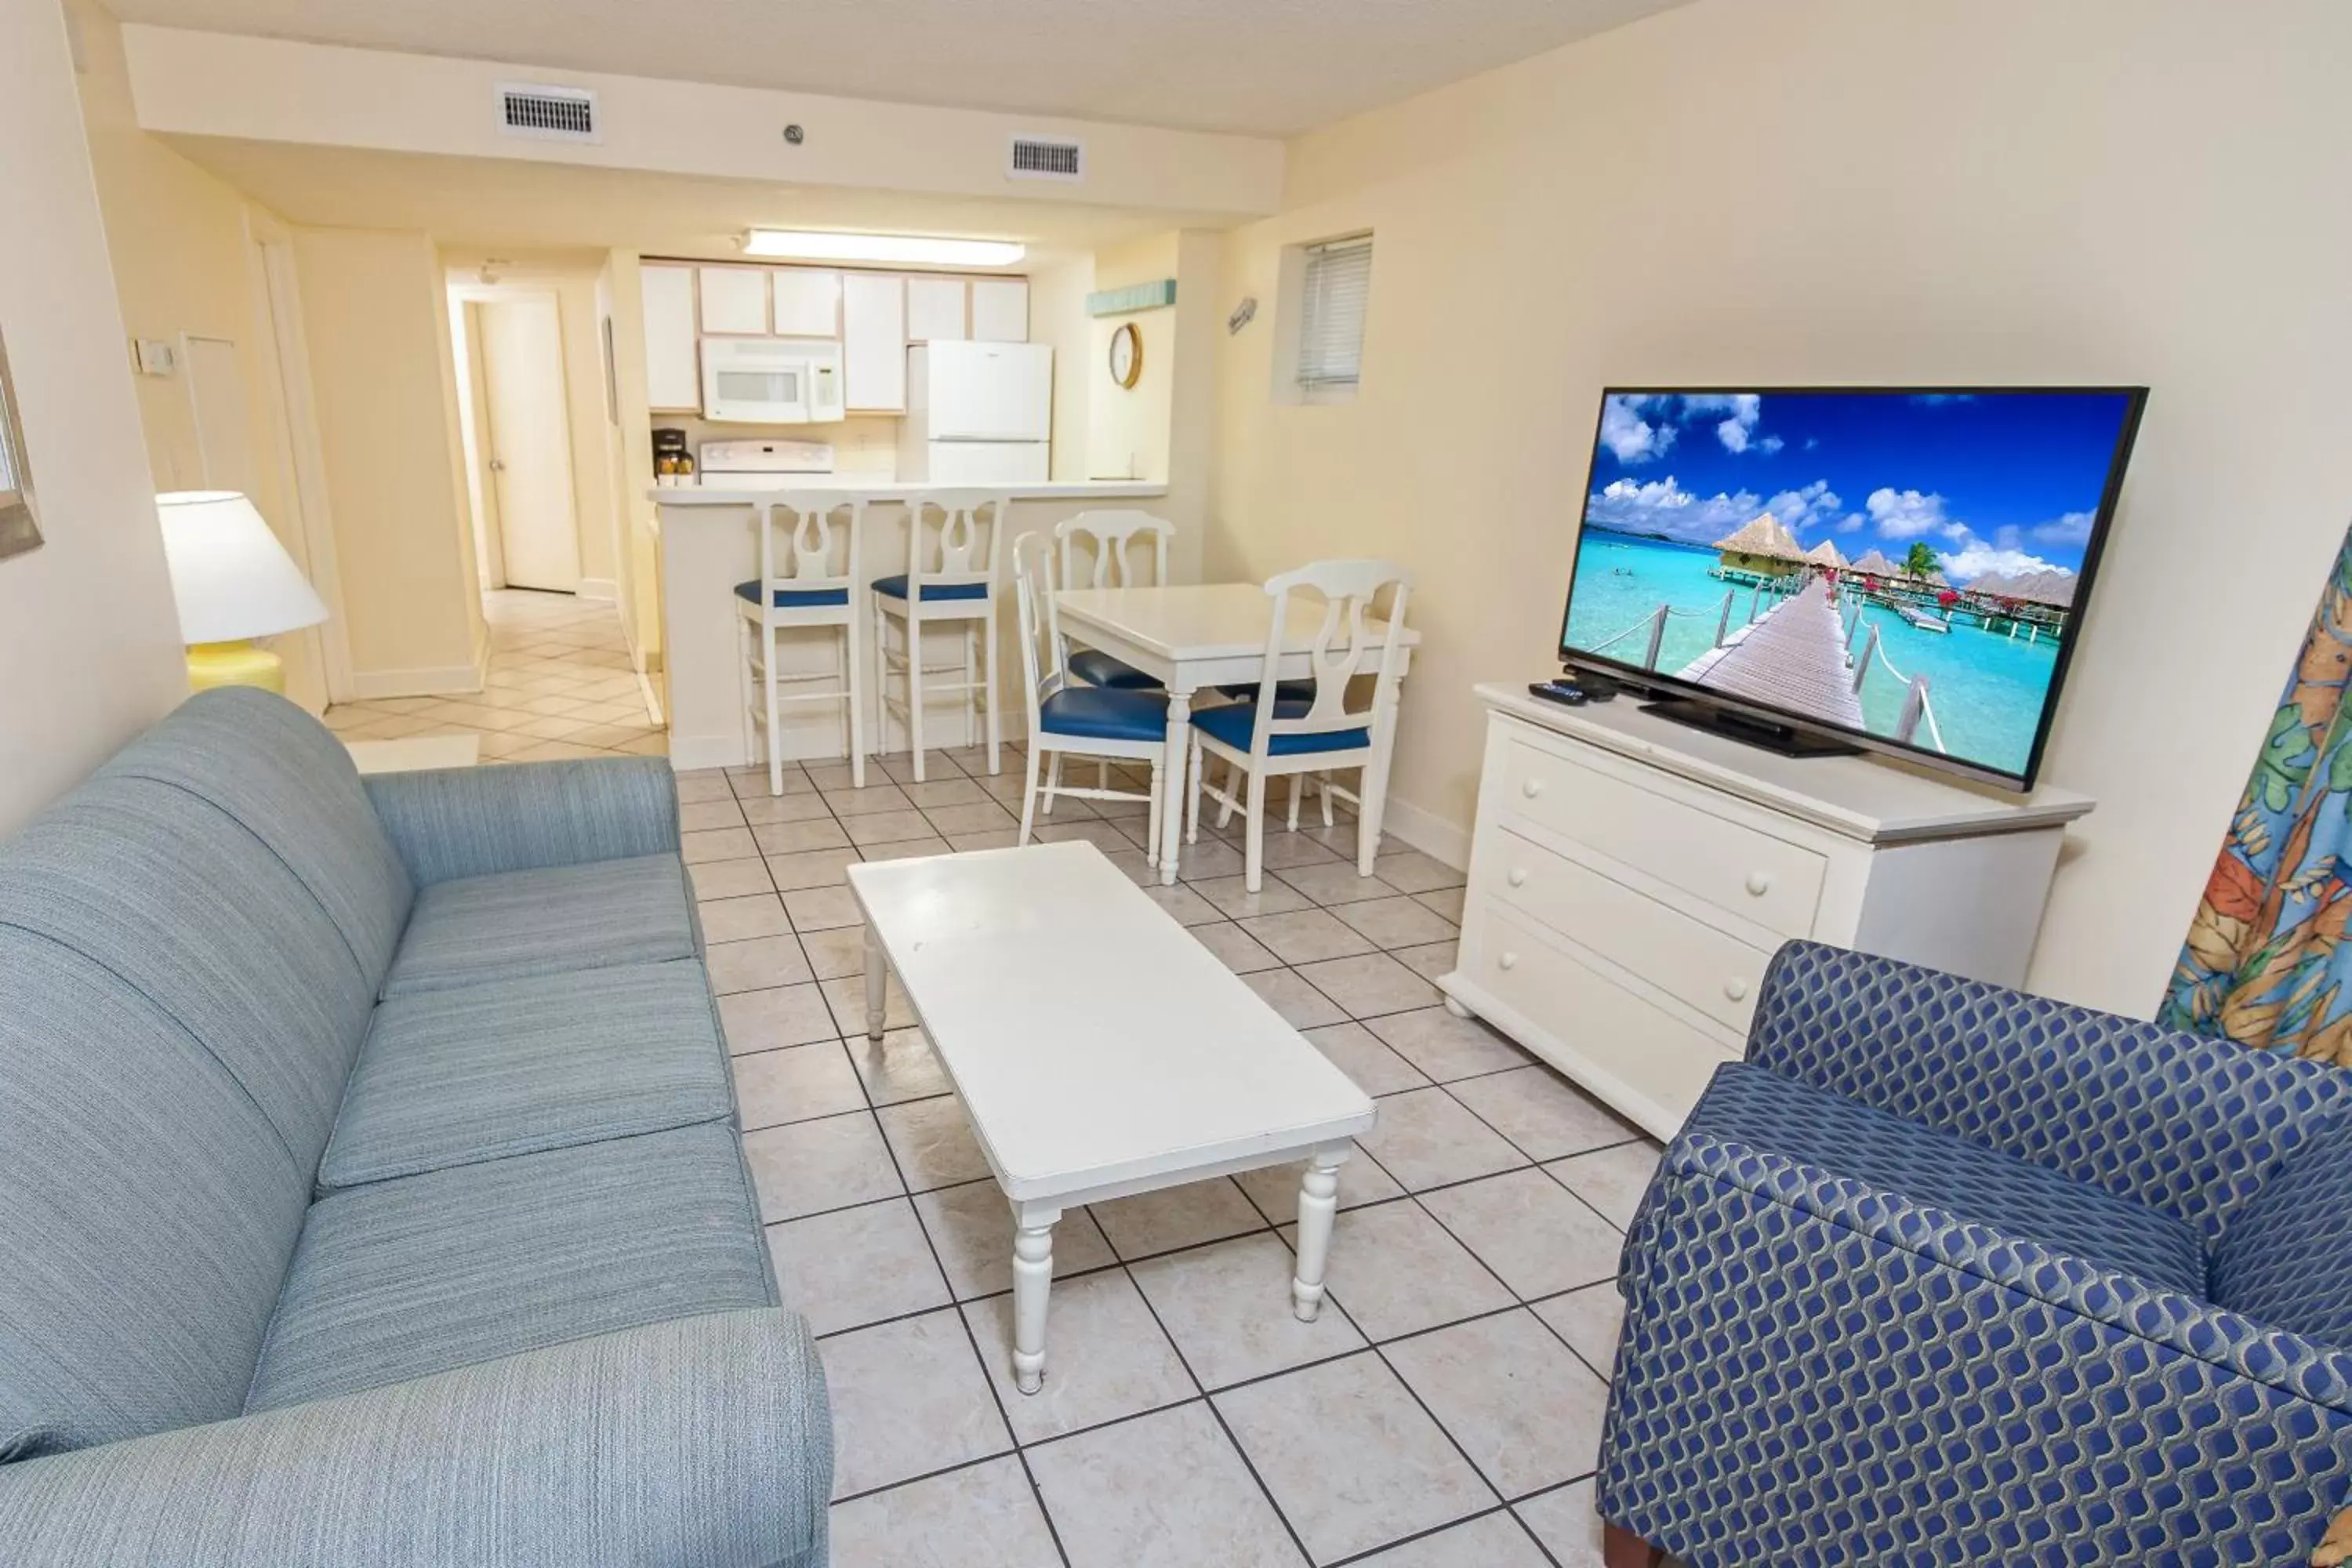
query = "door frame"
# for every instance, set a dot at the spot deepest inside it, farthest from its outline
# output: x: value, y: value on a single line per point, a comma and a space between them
x: 295, y: 445
x: 465, y: 296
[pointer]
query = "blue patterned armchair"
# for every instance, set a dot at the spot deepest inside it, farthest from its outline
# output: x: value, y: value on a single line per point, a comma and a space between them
x: 1947, y: 1274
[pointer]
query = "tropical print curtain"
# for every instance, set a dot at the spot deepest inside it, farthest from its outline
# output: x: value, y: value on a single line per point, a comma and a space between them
x: 2266, y: 962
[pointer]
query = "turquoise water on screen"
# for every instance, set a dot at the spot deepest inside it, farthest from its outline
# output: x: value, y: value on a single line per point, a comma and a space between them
x: 1986, y: 690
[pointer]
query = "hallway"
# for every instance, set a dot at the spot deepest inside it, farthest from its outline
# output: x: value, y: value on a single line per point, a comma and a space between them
x: 559, y: 685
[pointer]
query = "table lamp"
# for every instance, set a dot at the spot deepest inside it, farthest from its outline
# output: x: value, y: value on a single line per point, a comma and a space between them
x: 233, y: 582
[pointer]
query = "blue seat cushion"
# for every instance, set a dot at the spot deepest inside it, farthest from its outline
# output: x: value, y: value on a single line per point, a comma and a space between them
x: 1759, y: 1108
x: 551, y: 921
x: 1105, y: 714
x: 793, y: 598
x: 1235, y: 725
x: 407, y: 1277
x: 2285, y: 1259
x: 1097, y: 667
x: 480, y: 1072
x: 1284, y: 690
x: 896, y: 588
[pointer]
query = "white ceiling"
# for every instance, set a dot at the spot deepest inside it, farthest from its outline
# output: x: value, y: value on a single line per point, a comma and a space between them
x: 1259, y: 67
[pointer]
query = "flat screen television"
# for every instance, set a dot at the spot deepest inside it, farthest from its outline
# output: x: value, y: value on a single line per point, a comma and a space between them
x: 1902, y: 570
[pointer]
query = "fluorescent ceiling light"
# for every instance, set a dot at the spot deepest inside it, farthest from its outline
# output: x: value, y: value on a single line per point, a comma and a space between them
x: 810, y: 245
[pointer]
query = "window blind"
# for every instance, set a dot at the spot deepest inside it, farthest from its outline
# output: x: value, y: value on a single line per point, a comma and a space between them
x: 1332, y: 319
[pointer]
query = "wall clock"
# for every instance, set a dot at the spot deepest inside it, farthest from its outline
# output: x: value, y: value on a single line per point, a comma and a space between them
x: 1126, y: 354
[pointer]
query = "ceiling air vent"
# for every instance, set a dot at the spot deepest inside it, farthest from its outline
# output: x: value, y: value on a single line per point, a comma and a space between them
x: 1046, y: 158
x: 548, y: 113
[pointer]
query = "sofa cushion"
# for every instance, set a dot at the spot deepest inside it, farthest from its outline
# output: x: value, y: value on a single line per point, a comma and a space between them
x: 182, y: 902
x: 2287, y: 1258
x: 551, y: 921
x: 405, y: 1278
x: 479, y: 1072
x: 1762, y: 1110
x: 279, y: 772
x: 147, y: 1211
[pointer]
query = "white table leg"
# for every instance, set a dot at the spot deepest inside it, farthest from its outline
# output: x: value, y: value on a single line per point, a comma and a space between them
x: 1033, y: 1273
x: 1319, y: 1201
x: 877, y: 983
x: 1172, y: 810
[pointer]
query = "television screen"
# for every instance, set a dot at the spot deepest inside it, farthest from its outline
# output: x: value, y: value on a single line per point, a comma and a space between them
x: 1903, y: 568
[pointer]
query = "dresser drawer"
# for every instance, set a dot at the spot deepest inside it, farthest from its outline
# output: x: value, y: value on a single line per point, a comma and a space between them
x: 1631, y: 1053
x: 1692, y: 961
x: 1768, y: 880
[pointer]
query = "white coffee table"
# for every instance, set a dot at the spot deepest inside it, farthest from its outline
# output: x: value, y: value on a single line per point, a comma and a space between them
x: 1098, y: 1048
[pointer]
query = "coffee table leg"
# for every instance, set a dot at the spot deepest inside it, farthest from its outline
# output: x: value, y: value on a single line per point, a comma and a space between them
x: 1033, y: 1273
x: 1318, y: 1200
x: 878, y: 982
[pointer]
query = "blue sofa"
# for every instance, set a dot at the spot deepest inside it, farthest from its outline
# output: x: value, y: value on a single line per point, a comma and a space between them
x: 1946, y: 1274
x: 370, y: 1186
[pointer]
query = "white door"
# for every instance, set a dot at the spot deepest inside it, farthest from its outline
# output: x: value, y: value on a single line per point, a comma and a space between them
x: 223, y: 427
x: 530, y: 443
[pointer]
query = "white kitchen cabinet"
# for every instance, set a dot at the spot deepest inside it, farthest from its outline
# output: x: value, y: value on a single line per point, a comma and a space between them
x: 672, y: 380
x: 935, y: 309
x: 1000, y: 310
x: 734, y: 299
x: 808, y: 302
x: 873, y: 343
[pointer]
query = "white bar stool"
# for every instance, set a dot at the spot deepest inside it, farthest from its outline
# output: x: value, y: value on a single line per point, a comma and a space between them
x: 808, y: 569
x: 955, y: 539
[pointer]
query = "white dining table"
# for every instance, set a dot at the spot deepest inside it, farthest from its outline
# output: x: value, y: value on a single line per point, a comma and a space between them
x: 1192, y: 636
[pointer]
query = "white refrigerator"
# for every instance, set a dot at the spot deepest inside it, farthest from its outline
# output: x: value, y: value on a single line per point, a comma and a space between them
x: 977, y: 414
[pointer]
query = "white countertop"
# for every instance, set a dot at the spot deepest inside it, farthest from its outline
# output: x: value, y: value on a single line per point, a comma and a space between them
x: 891, y: 490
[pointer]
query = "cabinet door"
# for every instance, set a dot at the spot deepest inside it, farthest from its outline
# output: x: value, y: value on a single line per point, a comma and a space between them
x: 808, y: 302
x: 734, y: 299
x: 873, y: 343
x: 671, y: 379
x: 1000, y: 310
x: 935, y: 309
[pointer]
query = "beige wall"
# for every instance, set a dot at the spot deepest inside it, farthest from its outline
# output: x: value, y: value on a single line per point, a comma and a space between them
x: 1843, y: 190
x: 1058, y: 318
x: 376, y: 314
x: 89, y: 646
x: 185, y: 263
x: 1127, y: 427
x: 633, y: 459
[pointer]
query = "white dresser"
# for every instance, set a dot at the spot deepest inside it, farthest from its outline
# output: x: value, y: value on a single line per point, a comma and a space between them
x: 1631, y: 877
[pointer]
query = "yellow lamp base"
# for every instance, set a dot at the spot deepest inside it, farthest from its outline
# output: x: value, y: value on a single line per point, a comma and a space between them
x: 240, y: 663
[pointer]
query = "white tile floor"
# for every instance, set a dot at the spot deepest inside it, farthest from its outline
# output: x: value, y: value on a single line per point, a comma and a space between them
x: 1445, y: 1411
x: 559, y: 685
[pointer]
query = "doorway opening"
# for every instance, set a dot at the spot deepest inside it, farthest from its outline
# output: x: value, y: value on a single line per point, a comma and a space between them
x: 515, y: 422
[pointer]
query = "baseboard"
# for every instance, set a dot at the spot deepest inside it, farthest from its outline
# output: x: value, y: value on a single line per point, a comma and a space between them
x: 442, y: 680
x: 604, y: 588
x: 1441, y: 838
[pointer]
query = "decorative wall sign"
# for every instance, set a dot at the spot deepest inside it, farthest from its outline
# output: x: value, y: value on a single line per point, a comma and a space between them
x: 1135, y: 297
x: 1244, y: 314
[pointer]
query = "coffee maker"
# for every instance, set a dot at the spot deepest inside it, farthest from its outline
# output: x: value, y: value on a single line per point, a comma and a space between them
x: 673, y: 463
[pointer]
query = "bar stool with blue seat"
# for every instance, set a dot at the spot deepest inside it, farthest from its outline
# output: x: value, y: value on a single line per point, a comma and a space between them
x: 1110, y: 562
x: 1272, y: 735
x: 954, y: 543
x: 1111, y: 722
x: 809, y: 564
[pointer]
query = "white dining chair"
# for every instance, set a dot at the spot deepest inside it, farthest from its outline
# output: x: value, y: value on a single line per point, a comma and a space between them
x: 1108, y: 560
x: 1110, y: 722
x: 1273, y: 735
x: 809, y: 564
x: 955, y: 541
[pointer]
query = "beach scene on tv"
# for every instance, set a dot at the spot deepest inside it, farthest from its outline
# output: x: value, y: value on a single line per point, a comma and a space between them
x: 1904, y: 565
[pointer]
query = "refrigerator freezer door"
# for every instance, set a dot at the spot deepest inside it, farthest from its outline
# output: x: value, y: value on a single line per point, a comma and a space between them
x: 985, y: 463
x: 988, y: 391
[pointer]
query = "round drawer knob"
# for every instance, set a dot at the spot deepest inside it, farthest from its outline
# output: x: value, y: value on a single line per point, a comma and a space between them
x: 1508, y: 961
x: 1759, y: 884
x: 1735, y: 989
x: 1531, y: 788
x: 1518, y: 877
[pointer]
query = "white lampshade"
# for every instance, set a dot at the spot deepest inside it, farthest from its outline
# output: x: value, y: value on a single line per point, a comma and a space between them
x: 230, y: 575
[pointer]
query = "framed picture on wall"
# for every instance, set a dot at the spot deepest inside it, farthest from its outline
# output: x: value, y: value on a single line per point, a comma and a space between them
x: 19, y: 529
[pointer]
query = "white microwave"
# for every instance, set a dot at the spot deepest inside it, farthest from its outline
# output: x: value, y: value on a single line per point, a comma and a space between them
x: 771, y: 381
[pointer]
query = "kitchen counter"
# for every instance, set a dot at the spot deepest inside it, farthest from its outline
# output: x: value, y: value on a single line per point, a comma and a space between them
x: 891, y: 490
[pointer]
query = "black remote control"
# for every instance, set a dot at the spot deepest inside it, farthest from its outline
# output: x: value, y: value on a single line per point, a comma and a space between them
x: 1562, y: 692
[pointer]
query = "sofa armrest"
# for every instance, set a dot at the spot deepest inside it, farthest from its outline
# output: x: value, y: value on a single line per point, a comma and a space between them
x: 2180, y: 1122
x: 448, y: 823
x: 703, y: 1440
